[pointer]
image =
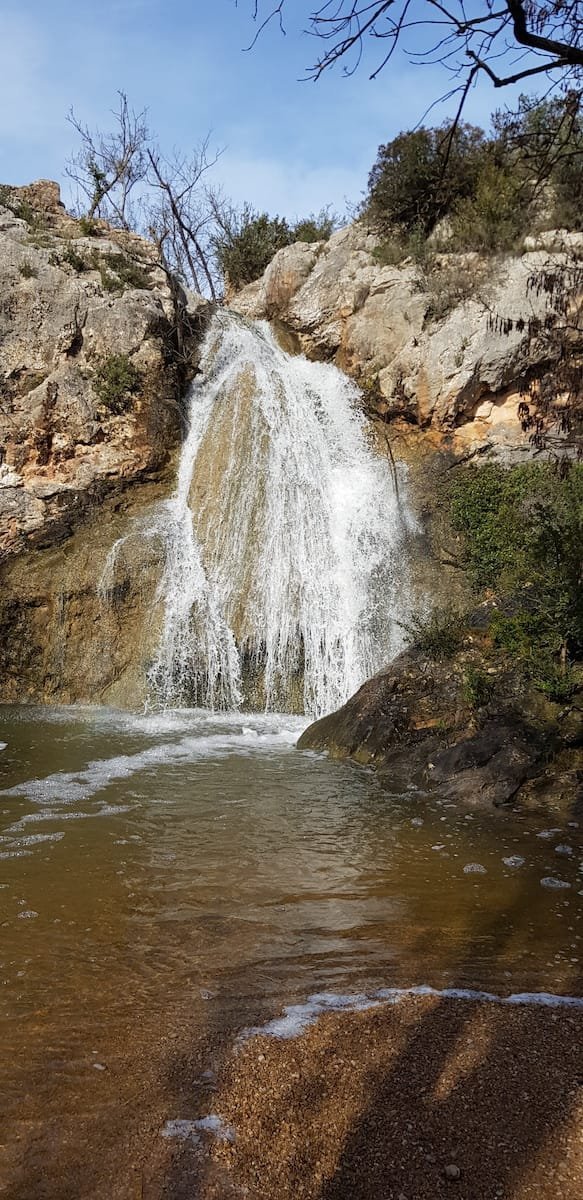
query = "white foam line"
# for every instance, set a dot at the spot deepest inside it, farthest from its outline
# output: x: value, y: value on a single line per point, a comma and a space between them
x: 108, y: 810
x: 298, y: 1017
x: 170, y: 720
x: 68, y: 787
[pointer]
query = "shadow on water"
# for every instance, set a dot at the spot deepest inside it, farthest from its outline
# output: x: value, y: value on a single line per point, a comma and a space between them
x: 491, y: 1118
x: 375, y: 1106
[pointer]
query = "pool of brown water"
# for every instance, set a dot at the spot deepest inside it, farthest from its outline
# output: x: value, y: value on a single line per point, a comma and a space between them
x: 168, y: 879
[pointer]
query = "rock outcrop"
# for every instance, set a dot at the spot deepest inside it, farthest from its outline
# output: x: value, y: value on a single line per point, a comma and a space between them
x: 91, y: 390
x: 422, y: 723
x: 448, y: 348
x: 71, y: 306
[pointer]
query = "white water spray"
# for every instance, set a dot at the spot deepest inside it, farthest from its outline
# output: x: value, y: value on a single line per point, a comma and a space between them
x: 281, y: 541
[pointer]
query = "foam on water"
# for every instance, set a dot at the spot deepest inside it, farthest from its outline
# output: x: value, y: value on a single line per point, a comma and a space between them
x: 298, y: 1017
x: 282, y: 540
x: 69, y: 787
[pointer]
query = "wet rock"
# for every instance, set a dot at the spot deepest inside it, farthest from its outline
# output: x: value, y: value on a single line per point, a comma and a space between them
x: 412, y: 722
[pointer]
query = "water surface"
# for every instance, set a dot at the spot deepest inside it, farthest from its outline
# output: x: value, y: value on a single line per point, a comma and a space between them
x: 180, y: 876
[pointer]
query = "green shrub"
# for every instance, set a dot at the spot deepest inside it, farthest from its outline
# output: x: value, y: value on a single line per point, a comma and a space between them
x: 28, y: 270
x: 129, y: 273
x: 115, y: 381
x: 478, y: 688
x: 109, y: 282
x: 449, y: 282
x: 558, y: 684
x: 394, y: 250
x: 248, y: 241
x: 315, y: 228
x: 246, y: 248
x: 523, y: 539
x: 438, y: 635
x: 88, y: 227
x: 74, y: 260
x: 495, y: 216
x: 411, y: 187
x: 24, y: 211
x: 543, y: 140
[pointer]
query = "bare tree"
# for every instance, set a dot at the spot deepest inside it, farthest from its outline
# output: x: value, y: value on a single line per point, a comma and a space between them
x: 124, y: 178
x: 180, y: 215
x: 108, y: 166
x: 507, y: 40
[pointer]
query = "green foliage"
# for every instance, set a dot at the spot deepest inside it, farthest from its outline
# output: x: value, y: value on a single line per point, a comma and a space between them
x: 88, y: 227
x: 447, y: 283
x: 494, y: 217
x: 493, y: 188
x: 128, y: 272
x: 411, y: 186
x: 523, y: 535
x: 318, y: 227
x: 109, y: 282
x: 245, y: 248
x: 544, y: 141
x: 247, y: 241
x: 558, y: 683
x: 117, y: 271
x: 438, y: 635
x: 28, y: 270
x: 478, y: 688
x: 401, y: 245
x: 115, y: 381
x: 24, y: 211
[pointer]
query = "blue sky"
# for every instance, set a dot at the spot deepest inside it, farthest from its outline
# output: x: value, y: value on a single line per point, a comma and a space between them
x: 289, y: 146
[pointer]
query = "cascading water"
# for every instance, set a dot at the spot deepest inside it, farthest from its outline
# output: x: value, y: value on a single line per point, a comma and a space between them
x: 281, y: 541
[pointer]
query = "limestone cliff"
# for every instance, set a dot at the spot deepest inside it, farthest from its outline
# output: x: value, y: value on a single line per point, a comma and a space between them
x: 91, y: 389
x: 70, y: 305
x: 447, y: 348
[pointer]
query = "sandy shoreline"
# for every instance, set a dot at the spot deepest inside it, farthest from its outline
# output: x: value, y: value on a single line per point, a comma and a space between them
x: 377, y: 1105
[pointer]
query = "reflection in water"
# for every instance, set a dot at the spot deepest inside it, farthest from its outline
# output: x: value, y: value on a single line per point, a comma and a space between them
x: 186, y: 875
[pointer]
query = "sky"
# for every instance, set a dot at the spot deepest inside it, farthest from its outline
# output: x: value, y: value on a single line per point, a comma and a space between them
x: 288, y: 146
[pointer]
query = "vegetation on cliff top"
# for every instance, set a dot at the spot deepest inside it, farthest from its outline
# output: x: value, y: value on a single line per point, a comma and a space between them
x: 526, y: 175
x: 246, y: 241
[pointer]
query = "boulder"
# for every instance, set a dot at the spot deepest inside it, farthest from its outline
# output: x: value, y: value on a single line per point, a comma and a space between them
x: 415, y: 722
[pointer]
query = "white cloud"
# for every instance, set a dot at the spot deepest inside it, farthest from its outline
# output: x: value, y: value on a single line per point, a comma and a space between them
x: 290, y: 189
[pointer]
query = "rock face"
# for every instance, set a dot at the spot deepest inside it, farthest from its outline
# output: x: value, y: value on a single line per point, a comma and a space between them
x: 70, y: 304
x: 416, y: 721
x: 435, y: 349
x: 90, y: 415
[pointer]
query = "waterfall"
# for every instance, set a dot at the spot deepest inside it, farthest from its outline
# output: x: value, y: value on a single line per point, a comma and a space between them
x: 282, y: 538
